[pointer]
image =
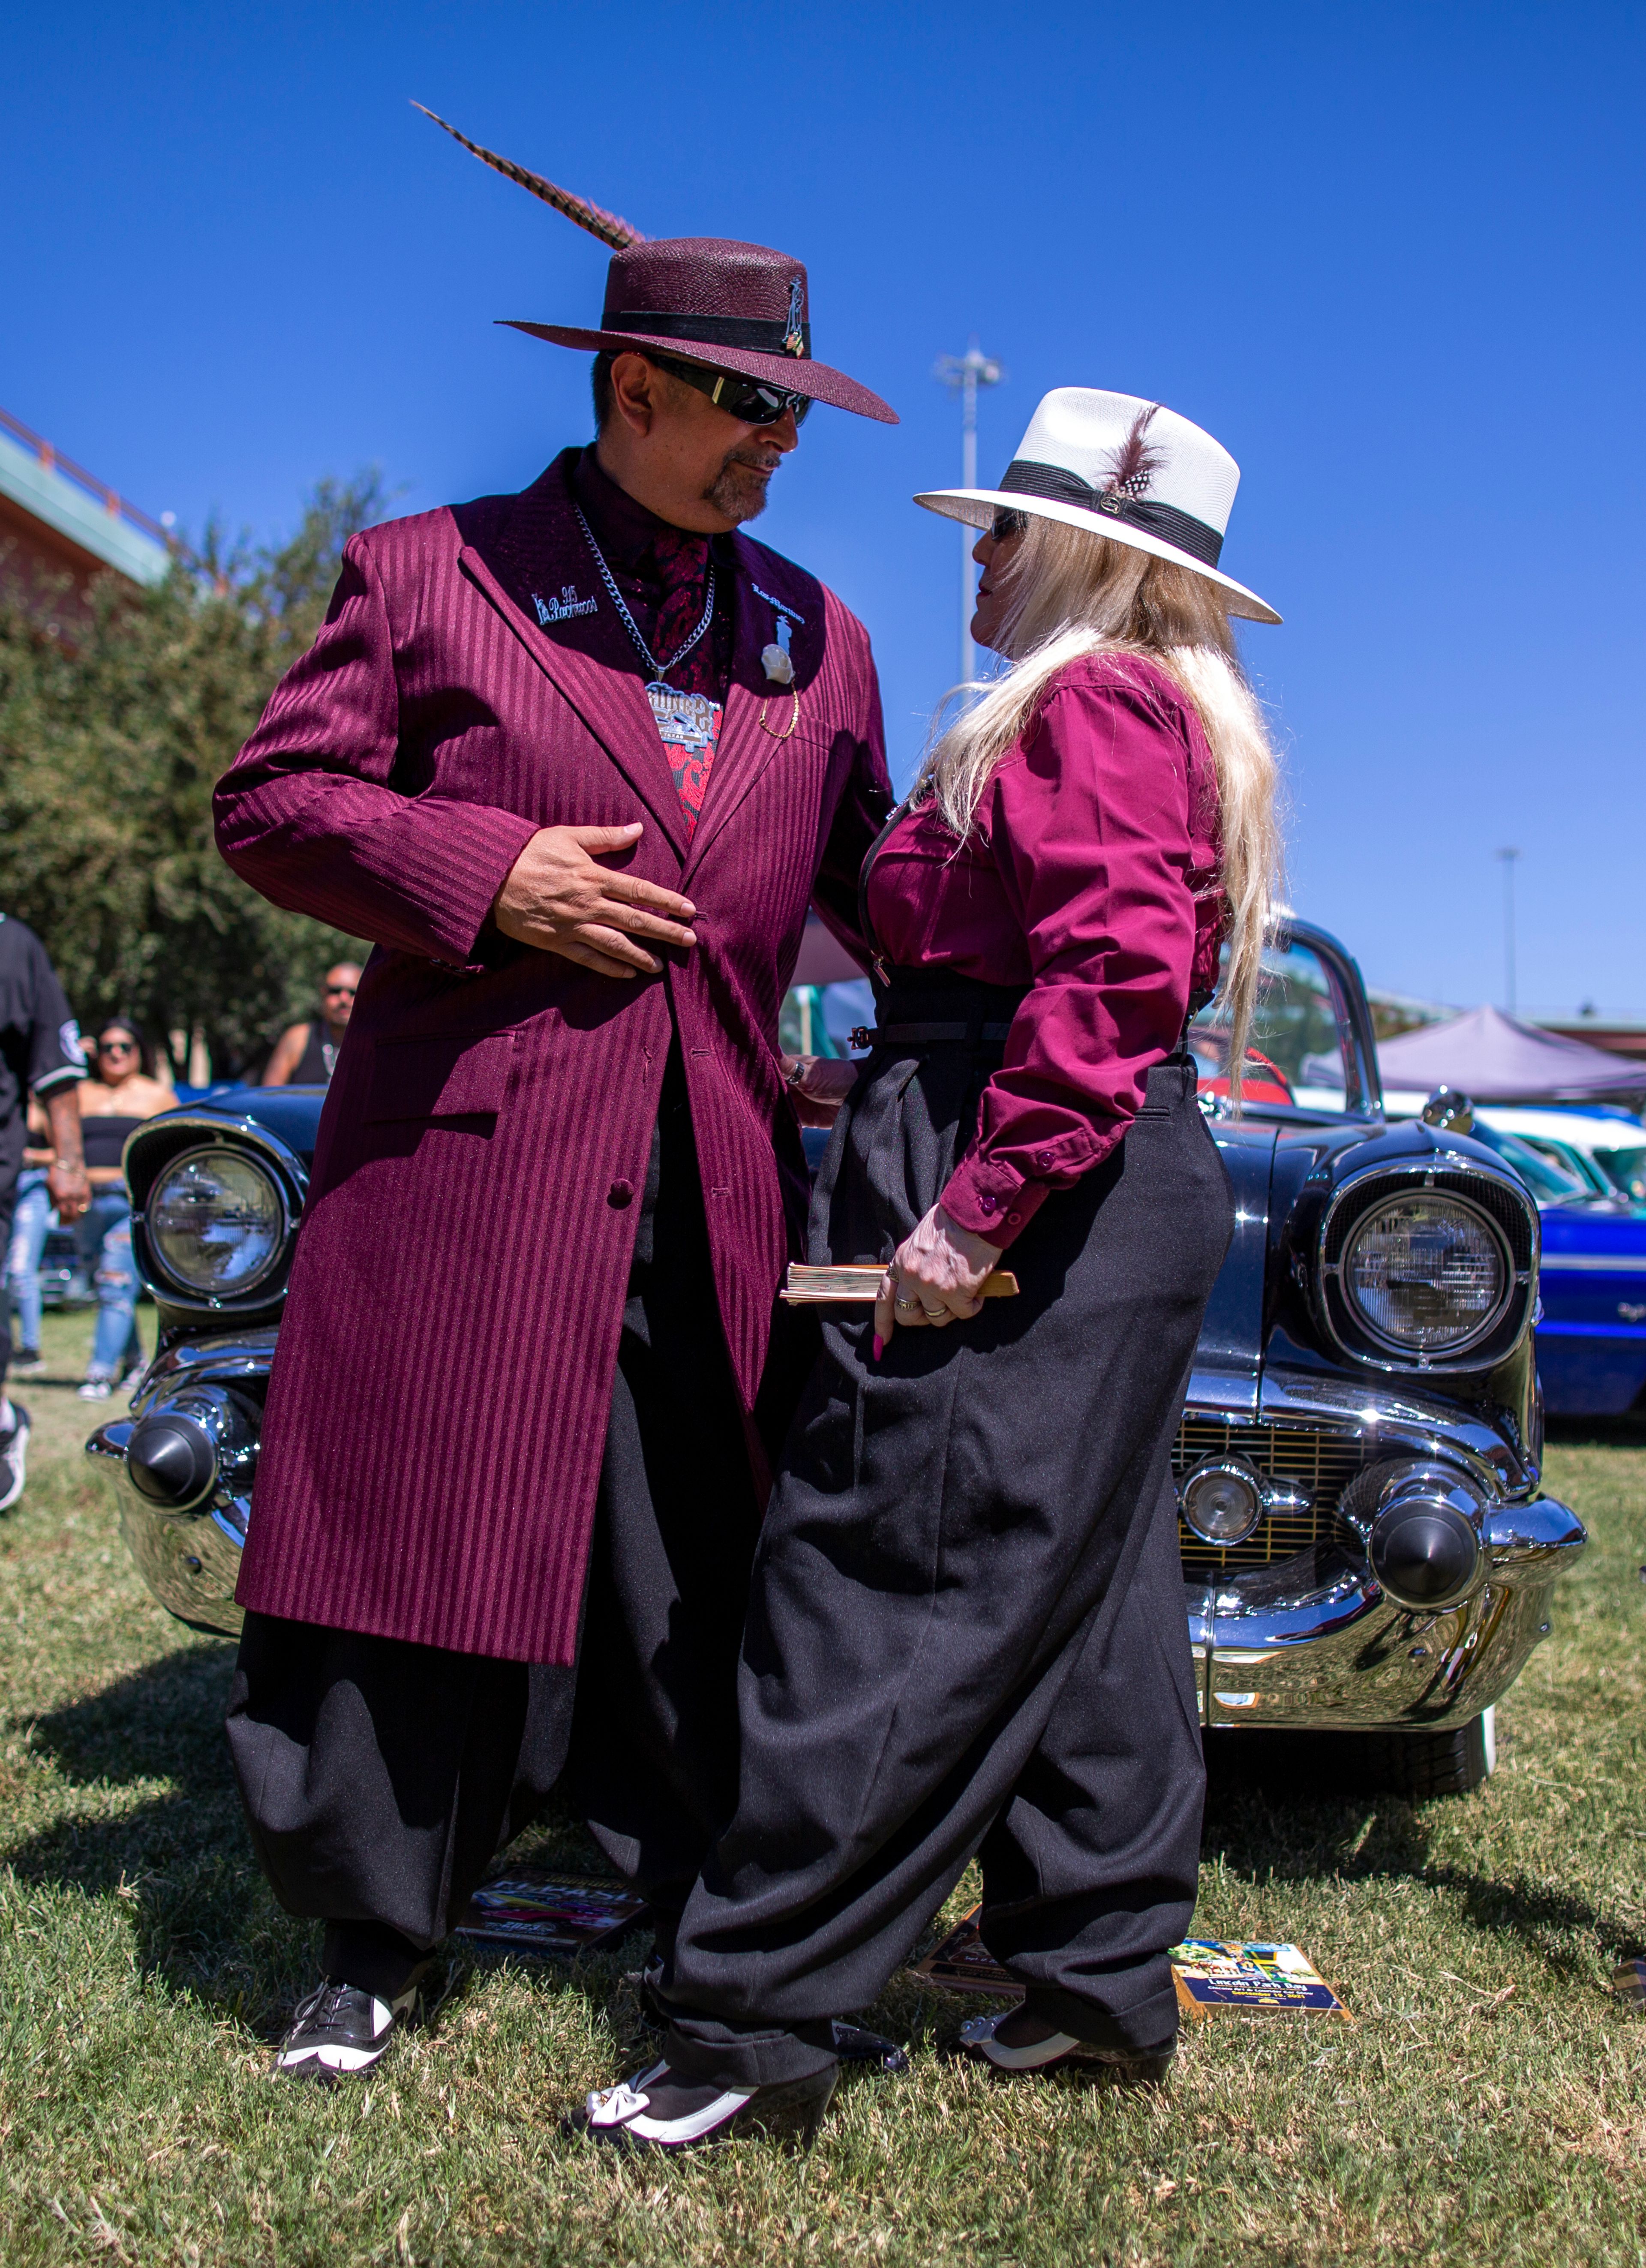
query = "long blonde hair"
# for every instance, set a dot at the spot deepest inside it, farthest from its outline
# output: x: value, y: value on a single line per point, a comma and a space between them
x: 1071, y: 594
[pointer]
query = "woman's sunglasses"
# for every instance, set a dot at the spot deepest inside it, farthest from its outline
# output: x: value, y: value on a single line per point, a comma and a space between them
x: 749, y: 400
x: 117, y: 1047
x: 1006, y: 525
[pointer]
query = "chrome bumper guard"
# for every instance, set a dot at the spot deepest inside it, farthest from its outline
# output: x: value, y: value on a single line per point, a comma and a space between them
x: 1313, y: 1642
x: 1316, y: 1642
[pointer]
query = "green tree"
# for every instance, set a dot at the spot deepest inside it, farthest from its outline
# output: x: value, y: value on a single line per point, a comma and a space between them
x: 111, y: 738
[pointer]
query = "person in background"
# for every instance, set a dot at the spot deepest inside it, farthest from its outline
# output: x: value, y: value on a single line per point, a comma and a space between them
x: 306, y: 1054
x: 121, y: 1093
x: 39, y: 1055
x: 32, y: 1223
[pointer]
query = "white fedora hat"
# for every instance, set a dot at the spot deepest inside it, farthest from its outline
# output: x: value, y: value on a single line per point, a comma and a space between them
x: 1125, y: 468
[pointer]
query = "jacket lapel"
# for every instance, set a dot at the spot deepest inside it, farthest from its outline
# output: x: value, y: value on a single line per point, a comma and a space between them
x: 746, y: 745
x: 539, y: 535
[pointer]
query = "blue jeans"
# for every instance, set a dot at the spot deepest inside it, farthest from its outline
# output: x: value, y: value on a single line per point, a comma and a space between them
x: 104, y: 1236
x: 30, y: 1224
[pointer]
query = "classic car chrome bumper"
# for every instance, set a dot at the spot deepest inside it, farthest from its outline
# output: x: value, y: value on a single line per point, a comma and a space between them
x: 187, y: 1549
x: 1310, y: 1640
x: 1313, y: 1640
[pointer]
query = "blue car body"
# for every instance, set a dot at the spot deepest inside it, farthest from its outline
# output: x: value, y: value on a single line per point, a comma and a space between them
x: 1591, y: 1339
x: 1590, y: 1334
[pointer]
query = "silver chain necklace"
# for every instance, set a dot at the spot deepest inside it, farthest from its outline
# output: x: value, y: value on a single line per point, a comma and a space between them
x: 659, y: 669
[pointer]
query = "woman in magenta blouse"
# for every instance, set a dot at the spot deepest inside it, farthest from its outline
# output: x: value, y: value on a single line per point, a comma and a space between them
x: 965, y: 1634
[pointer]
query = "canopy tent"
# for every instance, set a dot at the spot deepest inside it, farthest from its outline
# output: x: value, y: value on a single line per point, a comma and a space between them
x: 1492, y: 1057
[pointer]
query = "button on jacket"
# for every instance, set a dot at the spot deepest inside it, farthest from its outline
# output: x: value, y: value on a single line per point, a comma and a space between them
x: 1092, y: 877
x: 438, y: 1407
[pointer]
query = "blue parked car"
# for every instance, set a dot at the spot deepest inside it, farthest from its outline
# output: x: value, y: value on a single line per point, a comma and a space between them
x: 1591, y: 1334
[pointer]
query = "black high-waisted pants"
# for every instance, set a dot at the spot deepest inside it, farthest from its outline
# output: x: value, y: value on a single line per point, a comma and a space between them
x: 966, y: 1632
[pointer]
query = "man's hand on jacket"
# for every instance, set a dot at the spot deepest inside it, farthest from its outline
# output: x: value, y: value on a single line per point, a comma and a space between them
x: 558, y: 898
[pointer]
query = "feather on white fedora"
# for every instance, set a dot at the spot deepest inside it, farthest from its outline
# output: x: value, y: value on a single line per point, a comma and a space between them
x: 1125, y: 468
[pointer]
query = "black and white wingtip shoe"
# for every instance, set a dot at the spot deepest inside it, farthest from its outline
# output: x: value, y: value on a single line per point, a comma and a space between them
x: 340, y: 2031
x: 13, y: 1457
x: 659, y: 2110
x: 1053, y: 2048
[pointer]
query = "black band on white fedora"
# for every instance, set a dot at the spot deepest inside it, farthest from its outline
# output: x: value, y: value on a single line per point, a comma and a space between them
x: 1024, y: 477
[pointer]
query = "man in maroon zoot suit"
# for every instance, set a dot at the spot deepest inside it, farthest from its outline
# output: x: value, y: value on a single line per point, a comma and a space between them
x: 529, y: 1377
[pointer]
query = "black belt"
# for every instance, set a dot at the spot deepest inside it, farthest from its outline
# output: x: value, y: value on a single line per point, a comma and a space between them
x: 924, y: 1035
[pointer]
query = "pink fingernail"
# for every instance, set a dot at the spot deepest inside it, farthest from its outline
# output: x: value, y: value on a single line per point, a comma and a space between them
x: 879, y: 1347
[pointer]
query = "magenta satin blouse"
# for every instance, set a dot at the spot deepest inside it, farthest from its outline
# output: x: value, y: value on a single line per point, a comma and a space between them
x: 1091, y: 877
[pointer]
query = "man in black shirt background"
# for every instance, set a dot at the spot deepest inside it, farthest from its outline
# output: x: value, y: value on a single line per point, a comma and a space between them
x: 39, y: 1055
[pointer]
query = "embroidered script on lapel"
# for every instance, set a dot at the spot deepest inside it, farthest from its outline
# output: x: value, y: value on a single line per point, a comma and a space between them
x: 562, y: 609
x: 775, y: 659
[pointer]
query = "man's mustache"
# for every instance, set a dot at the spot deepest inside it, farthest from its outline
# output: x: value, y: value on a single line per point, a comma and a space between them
x: 755, y: 459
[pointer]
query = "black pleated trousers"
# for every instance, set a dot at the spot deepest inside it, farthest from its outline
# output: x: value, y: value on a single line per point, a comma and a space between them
x: 380, y: 1778
x: 965, y: 1630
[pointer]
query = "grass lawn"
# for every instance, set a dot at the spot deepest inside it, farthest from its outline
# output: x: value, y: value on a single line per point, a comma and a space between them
x: 1489, y: 2105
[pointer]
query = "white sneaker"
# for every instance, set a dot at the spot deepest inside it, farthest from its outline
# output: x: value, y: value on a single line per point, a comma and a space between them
x: 340, y: 2031
x: 659, y: 2110
x: 96, y: 1389
x: 13, y: 1457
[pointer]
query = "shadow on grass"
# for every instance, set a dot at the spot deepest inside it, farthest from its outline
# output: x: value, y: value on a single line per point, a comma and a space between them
x: 1270, y: 1820
x: 205, y: 1922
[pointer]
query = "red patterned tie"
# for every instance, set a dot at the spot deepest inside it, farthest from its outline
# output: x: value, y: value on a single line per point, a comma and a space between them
x: 682, y: 566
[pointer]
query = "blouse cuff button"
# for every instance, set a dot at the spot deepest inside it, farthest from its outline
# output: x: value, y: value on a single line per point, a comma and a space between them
x: 986, y: 1205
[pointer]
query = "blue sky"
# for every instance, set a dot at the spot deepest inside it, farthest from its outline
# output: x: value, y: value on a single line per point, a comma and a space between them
x: 1391, y: 256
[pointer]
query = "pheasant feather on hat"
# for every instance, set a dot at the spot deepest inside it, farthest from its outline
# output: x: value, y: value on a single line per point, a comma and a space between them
x: 738, y: 307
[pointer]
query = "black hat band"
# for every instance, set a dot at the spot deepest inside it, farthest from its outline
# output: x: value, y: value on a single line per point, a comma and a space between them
x: 1057, y: 485
x: 752, y: 333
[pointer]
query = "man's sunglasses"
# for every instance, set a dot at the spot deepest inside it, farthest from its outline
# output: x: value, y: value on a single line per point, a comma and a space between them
x: 749, y: 400
x: 339, y: 991
x: 1006, y: 525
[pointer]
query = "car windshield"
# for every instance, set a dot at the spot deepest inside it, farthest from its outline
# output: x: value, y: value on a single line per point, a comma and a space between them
x: 1626, y: 1170
x: 1300, y: 1050
x: 1575, y: 1162
x: 1550, y: 1183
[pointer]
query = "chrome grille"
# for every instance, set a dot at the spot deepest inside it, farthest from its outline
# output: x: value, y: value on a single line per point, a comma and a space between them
x: 1320, y: 1464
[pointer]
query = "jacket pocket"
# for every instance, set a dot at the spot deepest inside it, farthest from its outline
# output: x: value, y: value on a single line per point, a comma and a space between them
x: 451, y: 1075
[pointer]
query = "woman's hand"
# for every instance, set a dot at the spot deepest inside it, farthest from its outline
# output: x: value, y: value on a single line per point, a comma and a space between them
x: 817, y: 1084
x: 935, y: 1278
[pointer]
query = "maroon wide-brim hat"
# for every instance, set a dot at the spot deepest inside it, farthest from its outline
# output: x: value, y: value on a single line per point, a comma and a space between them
x: 741, y: 307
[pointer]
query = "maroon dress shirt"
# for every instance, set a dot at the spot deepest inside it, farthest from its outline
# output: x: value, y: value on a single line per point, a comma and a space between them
x: 1091, y: 877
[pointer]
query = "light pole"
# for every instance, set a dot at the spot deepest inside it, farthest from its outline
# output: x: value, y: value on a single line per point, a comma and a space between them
x: 1509, y: 859
x: 963, y: 374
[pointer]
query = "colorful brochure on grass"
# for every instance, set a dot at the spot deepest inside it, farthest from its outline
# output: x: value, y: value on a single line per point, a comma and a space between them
x: 1212, y: 1973
x: 1209, y: 1974
x: 549, y: 1916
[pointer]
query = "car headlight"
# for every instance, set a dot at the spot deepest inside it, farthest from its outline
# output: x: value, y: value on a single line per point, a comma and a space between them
x: 216, y: 1222
x: 1426, y: 1272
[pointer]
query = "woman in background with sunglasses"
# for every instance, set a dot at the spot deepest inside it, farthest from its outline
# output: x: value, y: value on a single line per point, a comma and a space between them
x: 966, y: 1634
x: 121, y: 1093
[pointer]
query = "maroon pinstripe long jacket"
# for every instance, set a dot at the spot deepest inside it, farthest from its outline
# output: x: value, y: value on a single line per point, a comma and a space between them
x: 438, y: 1409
